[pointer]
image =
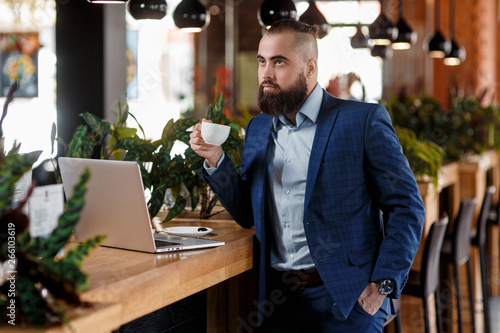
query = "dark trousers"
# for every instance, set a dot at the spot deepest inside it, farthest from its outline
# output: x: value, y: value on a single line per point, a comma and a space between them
x: 307, y: 308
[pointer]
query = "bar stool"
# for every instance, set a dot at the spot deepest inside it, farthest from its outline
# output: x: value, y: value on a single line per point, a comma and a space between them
x: 494, y: 219
x: 478, y: 239
x: 396, y: 317
x: 456, y: 251
x: 425, y: 282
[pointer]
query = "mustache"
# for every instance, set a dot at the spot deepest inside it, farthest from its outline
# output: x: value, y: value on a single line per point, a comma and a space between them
x: 269, y: 83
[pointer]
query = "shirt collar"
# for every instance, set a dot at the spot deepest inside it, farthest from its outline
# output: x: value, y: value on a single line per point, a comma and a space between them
x: 310, y: 109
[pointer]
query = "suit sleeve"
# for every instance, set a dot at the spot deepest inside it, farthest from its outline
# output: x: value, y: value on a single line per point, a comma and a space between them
x: 232, y: 189
x: 399, y: 199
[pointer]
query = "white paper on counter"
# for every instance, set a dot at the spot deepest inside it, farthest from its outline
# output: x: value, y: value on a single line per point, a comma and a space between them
x: 46, y: 204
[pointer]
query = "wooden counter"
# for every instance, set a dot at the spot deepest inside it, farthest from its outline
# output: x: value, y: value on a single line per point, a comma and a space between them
x: 125, y: 285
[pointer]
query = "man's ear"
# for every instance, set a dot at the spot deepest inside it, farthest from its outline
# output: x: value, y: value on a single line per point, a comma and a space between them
x: 312, y: 67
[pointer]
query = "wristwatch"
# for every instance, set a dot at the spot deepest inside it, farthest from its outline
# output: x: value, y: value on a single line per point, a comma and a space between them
x: 385, y: 287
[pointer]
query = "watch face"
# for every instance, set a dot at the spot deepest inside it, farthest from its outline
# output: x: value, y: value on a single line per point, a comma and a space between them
x: 386, y: 287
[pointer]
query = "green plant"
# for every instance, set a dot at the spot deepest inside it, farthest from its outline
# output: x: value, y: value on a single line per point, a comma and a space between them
x: 419, y: 114
x: 466, y: 128
x: 476, y: 131
x: 160, y: 170
x: 37, y: 281
x: 424, y: 156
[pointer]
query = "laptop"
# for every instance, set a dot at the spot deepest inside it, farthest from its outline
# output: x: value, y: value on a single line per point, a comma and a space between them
x: 115, y: 206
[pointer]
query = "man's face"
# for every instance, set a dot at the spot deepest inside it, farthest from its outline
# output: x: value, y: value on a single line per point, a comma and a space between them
x: 282, y: 82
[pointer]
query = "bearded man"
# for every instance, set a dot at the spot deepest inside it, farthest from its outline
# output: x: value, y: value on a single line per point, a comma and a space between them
x: 324, y: 181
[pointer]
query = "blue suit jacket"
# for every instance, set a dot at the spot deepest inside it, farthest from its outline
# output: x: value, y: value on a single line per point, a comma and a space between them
x: 357, y: 171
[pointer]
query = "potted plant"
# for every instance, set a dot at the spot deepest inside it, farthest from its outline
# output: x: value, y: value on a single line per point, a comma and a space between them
x: 466, y: 128
x: 424, y: 156
x: 38, y: 282
x: 160, y: 170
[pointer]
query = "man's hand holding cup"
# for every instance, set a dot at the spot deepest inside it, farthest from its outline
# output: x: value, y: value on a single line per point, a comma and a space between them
x: 206, y: 140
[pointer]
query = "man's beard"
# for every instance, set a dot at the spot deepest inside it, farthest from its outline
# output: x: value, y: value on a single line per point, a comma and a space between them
x: 283, y: 102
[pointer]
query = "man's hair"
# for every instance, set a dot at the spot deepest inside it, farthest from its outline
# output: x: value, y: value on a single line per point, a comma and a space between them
x: 305, y: 36
x: 289, y: 25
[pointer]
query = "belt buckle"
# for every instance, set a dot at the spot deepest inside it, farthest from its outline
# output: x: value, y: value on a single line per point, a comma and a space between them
x: 304, y: 277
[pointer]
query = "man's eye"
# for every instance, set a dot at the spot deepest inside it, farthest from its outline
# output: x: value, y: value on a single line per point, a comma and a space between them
x: 279, y: 62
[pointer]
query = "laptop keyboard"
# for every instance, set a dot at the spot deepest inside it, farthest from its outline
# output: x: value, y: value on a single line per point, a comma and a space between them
x: 161, y: 243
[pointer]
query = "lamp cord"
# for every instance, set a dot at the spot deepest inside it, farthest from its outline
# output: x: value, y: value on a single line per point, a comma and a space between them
x: 452, y: 19
x: 437, y: 17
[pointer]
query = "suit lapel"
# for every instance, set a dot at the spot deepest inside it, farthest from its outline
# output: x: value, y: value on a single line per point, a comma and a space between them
x: 259, y: 145
x: 326, y: 120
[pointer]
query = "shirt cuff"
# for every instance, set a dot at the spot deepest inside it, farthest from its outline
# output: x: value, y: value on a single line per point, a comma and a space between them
x: 211, y: 170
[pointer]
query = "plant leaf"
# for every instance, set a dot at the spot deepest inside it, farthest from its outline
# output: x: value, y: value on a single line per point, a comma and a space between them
x: 67, y: 220
x: 31, y: 303
x: 13, y: 168
x: 157, y: 199
x: 174, y: 178
x: 195, y: 197
x: 99, y: 126
x: 216, y: 113
x: 129, y: 143
x: 10, y: 97
x: 53, y: 133
x: 87, y: 148
x: 209, y: 115
x: 79, y: 253
x: 179, y: 205
x: 167, y: 136
x: 63, y: 278
x: 219, y: 109
x: 126, y: 132
x: 76, y: 143
x: 195, y: 160
x: 138, y: 124
x: 146, y: 177
x: 135, y: 152
x: 180, y: 129
x: 164, y: 161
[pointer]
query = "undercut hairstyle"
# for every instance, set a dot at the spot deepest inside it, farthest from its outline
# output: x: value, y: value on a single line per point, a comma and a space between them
x: 289, y: 25
x: 305, y: 36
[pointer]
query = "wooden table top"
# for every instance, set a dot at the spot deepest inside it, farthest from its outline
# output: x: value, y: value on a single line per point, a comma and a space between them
x: 125, y: 285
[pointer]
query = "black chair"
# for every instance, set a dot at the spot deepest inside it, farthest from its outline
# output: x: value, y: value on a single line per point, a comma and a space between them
x: 494, y: 262
x: 479, y: 239
x: 456, y: 251
x: 396, y: 317
x: 425, y: 282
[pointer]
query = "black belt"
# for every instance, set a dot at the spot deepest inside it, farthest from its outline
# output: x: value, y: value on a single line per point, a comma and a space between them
x: 305, y: 277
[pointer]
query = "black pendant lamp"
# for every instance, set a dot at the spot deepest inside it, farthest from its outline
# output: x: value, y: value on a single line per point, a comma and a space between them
x: 382, y: 31
x: 456, y: 54
x: 435, y: 44
x: 147, y: 9
x: 191, y: 16
x: 274, y: 10
x: 104, y: 2
x: 406, y: 37
x: 359, y: 40
x: 313, y: 16
x: 382, y: 51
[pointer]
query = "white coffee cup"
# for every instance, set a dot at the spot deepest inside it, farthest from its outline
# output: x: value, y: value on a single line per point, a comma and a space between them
x: 214, y: 134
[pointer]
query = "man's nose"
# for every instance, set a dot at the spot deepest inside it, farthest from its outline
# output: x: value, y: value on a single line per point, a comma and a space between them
x: 267, y: 73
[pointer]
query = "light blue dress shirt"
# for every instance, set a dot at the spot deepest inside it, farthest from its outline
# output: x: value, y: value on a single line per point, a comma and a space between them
x: 288, y: 161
